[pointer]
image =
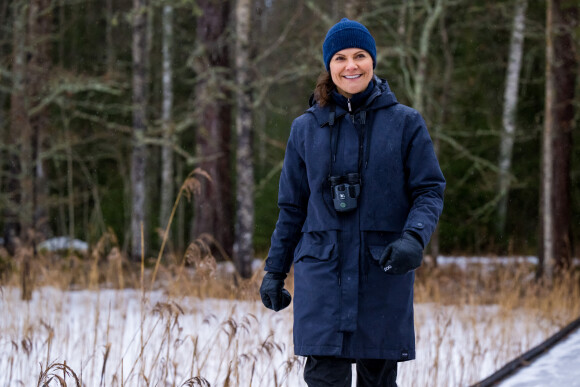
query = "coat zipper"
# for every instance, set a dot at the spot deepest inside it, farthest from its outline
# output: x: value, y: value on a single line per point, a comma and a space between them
x: 349, y: 106
x: 339, y: 274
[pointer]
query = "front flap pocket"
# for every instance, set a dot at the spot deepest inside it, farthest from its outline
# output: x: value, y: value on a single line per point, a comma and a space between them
x: 376, y: 252
x: 315, y: 251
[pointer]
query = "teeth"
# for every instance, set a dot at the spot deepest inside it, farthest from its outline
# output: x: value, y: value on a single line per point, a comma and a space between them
x: 352, y: 76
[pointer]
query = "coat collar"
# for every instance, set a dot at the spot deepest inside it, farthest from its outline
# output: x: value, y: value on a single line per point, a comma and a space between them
x: 380, y: 97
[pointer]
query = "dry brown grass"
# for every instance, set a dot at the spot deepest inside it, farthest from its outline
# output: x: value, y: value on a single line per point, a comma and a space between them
x: 56, y: 374
x: 196, y: 273
x: 512, y: 286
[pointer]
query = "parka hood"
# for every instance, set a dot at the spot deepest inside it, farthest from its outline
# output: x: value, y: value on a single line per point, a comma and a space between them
x: 381, y: 97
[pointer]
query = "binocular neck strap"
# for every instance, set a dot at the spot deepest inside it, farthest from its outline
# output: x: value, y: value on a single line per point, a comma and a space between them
x: 334, y: 135
x: 334, y: 132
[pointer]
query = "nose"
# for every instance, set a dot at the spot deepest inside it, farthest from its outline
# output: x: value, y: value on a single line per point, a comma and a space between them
x: 351, y: 64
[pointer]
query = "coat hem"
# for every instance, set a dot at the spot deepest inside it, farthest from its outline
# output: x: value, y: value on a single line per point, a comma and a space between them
x: 376, y: 353
x: 366, y: 353
x: 318, y: 350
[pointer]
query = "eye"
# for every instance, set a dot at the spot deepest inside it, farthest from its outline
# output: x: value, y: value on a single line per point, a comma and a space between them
x: 338, y: 58
x: 361, y: 55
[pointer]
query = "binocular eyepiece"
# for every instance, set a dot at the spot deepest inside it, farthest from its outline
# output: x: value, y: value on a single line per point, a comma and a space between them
x: 349, y: 178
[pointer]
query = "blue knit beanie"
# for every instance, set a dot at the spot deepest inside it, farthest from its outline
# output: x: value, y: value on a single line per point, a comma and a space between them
x: 348, y: 34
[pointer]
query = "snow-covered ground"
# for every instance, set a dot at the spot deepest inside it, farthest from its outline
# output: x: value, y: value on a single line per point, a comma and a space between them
x: 120, y: 338
x: 560, y: 366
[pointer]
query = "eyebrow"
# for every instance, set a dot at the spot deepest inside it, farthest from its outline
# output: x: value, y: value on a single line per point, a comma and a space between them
x: 355, y: 53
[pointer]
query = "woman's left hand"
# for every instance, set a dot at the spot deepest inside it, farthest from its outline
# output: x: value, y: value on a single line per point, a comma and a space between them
x: 402, y: 256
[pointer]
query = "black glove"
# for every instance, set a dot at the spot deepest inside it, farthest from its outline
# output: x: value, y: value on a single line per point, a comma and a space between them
x: 403, y: 255
x: 272, y: 291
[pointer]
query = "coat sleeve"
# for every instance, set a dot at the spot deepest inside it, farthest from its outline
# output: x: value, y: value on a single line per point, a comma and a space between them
x: 293, y: 194
x: 425, y: 181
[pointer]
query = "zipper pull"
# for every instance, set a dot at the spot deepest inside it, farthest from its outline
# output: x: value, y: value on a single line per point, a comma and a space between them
x: 349, y: 107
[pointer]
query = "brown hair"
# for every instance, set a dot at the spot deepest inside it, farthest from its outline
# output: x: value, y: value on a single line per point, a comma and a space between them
x: 323, y: 89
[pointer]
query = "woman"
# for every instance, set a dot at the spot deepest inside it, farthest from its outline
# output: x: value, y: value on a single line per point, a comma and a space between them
x: 360, y: 194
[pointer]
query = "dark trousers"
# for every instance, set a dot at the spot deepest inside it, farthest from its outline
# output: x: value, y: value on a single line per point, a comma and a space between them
x: 328, y: 371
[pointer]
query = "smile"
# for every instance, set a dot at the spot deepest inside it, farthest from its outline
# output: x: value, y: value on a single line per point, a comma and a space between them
x: 353, y: 76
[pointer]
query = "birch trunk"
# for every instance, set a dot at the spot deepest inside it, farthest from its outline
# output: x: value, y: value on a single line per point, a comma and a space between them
x: 510, y: 98
x: 434, y: 13
x: 421, y: 74
x: 167, y: 180
x: 546, y: 256
x: 244, y: 231
x: 139, y: 152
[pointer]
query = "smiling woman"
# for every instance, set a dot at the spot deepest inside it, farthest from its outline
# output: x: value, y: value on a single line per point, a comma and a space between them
x: 361, y: 192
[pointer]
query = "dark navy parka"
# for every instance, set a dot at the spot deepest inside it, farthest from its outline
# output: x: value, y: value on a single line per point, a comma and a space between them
x: 344, y: 304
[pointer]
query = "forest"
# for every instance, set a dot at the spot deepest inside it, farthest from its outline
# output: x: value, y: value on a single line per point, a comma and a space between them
x: 163, y: 122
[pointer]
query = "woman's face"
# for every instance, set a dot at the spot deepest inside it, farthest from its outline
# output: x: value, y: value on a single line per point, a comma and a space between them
x: 351, y: 70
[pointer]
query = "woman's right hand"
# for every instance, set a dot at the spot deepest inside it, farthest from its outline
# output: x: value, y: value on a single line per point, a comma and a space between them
x: 272, y: 292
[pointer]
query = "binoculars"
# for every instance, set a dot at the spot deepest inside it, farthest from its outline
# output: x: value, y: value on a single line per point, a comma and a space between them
x: 345, y: 191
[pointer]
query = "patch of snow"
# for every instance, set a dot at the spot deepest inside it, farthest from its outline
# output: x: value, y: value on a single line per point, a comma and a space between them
x: 257, y: 265
x: 464, y: 262
x: 228, y: 267
x: 64, y: 243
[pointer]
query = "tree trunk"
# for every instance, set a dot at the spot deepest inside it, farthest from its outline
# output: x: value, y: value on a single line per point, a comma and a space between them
x: 139, y: 153
x: 421, y: 74
x: 70, y: 182
x: 39, y: 67
x: 29, y: 125
x: 561, y: 68
x: 444, y: 108
x: 111, y: 56
x: 38, y: 72
x: 4, y: 53
x: 510, y: 98
x: 213, y: 207
x: 167, y: 180
x: 262, y: 14
x: 19, y: 136
x: 434, y: 13
x: 243, y: 247
x: 180, y: 237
